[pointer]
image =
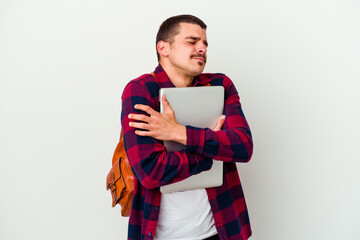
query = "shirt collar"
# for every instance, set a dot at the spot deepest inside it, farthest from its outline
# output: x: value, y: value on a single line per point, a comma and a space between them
x: 164, y: 81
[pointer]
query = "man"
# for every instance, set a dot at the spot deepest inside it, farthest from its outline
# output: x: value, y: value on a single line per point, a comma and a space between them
x: 212, y: 213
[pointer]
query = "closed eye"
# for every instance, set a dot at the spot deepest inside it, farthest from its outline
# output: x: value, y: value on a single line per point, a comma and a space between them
x: 194, y: 39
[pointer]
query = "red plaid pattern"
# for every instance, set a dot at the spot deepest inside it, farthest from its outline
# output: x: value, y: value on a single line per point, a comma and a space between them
x: 154, y: 167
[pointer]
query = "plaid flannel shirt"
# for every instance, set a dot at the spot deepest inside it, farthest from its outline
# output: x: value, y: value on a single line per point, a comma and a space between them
x: 154, y: 167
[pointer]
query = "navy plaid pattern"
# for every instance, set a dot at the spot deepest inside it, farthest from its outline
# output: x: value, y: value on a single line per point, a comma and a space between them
x: 154, y: 167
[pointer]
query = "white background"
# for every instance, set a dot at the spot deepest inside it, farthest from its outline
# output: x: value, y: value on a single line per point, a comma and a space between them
x: 64, y: 64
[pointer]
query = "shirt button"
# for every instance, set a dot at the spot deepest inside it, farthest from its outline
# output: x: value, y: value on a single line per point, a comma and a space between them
x: 156, y: 208
x: 149, y: 234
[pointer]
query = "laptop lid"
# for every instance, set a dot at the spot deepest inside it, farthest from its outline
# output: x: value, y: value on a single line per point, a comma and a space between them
x: 199, y: 107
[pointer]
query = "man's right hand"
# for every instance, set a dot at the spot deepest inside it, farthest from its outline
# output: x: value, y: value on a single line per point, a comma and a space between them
x: 161, y: 126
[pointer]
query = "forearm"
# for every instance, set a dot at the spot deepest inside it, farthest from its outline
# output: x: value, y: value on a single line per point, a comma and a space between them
x: 230, y: 145
x: 153, y: 166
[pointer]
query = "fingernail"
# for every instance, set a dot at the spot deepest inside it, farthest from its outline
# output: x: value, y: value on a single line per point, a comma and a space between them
x: 129, y: 116
x: 222, y: 117
x: 135, y: 106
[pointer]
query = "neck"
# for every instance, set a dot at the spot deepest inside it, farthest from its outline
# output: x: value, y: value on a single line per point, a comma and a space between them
x: 178, y: 78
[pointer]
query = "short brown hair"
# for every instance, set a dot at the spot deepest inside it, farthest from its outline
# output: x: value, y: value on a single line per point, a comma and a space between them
x: 170, y: 28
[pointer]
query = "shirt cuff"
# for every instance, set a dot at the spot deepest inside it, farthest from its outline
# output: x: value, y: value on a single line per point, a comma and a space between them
x: 195, y: 139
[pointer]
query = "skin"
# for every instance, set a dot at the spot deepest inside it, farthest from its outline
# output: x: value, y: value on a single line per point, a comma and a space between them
x: 182, y: 59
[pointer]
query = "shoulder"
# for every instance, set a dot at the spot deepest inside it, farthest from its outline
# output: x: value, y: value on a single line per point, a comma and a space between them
x: 145, y: 85
x: 219, y: 79
x: 215, y: 79
x: 213, y: 75
x: 144, y: 79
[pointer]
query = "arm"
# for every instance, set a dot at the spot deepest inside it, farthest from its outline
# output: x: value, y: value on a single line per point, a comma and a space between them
x: 150, y: 162
x: 233, y: 143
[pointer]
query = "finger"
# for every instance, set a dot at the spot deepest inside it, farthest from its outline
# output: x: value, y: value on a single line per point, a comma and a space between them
x: 142, y: 133
x: 220, y: 123
x: 140, y: 117
x: 139, y: 125
x: 166, y: 104
x: 145, y: 108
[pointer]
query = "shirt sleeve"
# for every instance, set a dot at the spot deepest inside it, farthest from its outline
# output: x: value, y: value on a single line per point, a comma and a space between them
x: 152, y: 165
x: 234, y: 142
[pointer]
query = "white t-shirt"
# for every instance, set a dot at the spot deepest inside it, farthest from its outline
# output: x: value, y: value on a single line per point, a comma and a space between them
x: 185, y: 216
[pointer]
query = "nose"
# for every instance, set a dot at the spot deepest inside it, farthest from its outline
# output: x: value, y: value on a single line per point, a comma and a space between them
x: 202, y: 48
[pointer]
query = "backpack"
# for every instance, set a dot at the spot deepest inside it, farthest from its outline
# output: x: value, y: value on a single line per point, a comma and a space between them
x: 120, y: 179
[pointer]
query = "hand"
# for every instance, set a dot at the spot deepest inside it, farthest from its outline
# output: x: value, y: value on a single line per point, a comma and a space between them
x: 220, y: 123
x: 161, y: 126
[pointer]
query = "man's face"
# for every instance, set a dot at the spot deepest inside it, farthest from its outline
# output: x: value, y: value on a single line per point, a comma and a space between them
x: 187, y: 52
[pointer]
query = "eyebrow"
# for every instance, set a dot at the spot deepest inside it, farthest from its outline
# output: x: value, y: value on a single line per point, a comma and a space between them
x: 197, y: 39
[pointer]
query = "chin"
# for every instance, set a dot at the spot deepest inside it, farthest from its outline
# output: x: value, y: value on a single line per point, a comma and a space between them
x: 200, y: 71
x: 194, y: 70
x: 195, y: 73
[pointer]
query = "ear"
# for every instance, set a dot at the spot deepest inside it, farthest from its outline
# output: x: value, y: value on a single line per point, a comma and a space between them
x: 162, y: 48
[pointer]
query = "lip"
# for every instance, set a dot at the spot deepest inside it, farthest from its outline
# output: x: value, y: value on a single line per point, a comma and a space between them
x: 199, y: 58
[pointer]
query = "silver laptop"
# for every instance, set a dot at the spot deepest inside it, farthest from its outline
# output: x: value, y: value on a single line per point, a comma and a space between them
x: 199, y: 107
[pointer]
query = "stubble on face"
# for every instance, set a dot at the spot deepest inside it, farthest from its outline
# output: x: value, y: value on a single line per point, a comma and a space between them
x: 184, y: 49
